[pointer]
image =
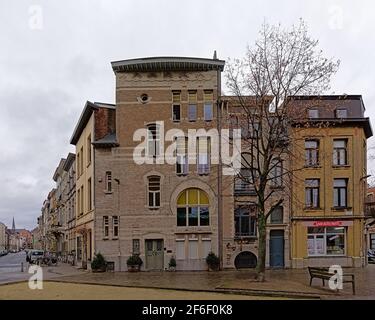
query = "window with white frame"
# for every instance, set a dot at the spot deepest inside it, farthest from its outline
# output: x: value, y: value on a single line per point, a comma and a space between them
x: 341, y: 113
x: 153, y: 140
x: 108, y: 181
x: 312, y: 193
x: 192, y: 106
x: 245, y: 221
x: 277, y: 215
x: 154, y: 191
x: 193, y: 248
x: 206, y: 247
x: 244, y: 182
x: 136, y: 246
x: 276, y: 173
x: 311, y: 152
x: 313, y: 113
x: 105, y: 226
x: 89, y: 148
x: 340, y: 192
x: 176, y: 106
x: 89, y: 195
x: 193, y: 208
x: 340, y: 157
x: 326, y: 241
x: 176, y: 112
x: 180, y: 249
x: 182, y: 165
x: 208, y: 105
x: 203, y: 155
x: 115, y: 226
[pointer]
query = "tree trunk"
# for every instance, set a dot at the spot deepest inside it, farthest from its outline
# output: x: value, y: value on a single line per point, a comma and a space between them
x: 261, y: 263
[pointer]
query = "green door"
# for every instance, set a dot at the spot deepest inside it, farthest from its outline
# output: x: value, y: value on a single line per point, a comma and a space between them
x: 154, y: 254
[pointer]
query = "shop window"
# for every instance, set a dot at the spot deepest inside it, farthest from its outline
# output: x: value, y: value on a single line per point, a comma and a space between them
x: 326, y: 241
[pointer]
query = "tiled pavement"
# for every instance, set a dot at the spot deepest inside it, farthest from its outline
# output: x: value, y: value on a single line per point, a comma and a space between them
x: 290, y: 282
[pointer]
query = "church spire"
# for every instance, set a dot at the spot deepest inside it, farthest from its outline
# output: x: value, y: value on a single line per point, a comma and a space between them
x: 13, y: 225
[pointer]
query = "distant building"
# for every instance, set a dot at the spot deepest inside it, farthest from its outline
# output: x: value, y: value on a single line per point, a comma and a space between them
x: 370, y: 215
x: 3, y: 237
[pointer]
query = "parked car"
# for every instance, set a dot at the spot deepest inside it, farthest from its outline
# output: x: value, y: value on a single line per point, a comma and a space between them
x: 34, y: 256
x: 371, y: 256
x: 3, y: 253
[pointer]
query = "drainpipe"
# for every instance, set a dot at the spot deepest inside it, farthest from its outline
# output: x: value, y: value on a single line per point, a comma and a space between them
x: 219, y: 175
x: 119, y: 222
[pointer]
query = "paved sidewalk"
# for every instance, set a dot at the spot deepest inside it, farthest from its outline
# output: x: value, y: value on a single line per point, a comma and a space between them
x: 279, y: 283
x: 49, y: 273
x: 287, y: 283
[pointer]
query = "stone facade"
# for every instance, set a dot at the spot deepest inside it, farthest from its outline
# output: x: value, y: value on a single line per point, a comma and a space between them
x: 160, y: 210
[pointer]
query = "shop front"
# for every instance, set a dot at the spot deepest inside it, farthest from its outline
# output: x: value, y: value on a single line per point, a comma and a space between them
x: 327, y: 242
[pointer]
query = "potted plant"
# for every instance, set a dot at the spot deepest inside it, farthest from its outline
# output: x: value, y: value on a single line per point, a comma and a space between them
x: 172, y: 264
x: 213, y: 262
x: 98, y: 264
x: 134, y: 263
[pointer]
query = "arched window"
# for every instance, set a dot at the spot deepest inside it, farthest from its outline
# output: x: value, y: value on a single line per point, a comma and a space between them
x: 193, y: 208
x: 154, y: 191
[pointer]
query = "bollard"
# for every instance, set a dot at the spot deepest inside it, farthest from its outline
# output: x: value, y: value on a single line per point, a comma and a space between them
x: 21, y: 266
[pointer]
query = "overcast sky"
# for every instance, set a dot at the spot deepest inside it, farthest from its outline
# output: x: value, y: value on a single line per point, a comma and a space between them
x: 55, y: 55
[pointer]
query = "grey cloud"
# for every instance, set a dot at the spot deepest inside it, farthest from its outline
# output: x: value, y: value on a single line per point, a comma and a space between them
x: 47, y: 75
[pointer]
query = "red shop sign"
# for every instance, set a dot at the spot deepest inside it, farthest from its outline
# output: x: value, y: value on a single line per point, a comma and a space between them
x: 328, y: 223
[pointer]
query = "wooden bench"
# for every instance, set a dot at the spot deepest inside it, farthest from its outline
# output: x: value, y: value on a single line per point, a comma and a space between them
x: 324, y: 274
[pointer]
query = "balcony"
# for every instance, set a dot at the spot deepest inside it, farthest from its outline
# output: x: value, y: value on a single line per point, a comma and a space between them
x: 370, y: 210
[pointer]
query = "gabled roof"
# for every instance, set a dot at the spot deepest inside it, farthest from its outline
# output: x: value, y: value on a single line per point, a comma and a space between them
x: 69, y: 161
x: 167, y: 64
x: 85, y: 116
x: 59, y: 169
x: 110, y: 140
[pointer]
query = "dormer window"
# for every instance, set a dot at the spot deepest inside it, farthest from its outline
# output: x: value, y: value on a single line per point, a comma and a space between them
x: 341, y: 113
x: 313, y: 113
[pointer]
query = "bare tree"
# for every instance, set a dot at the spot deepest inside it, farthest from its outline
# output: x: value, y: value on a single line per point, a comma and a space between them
x: 282, y: 65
